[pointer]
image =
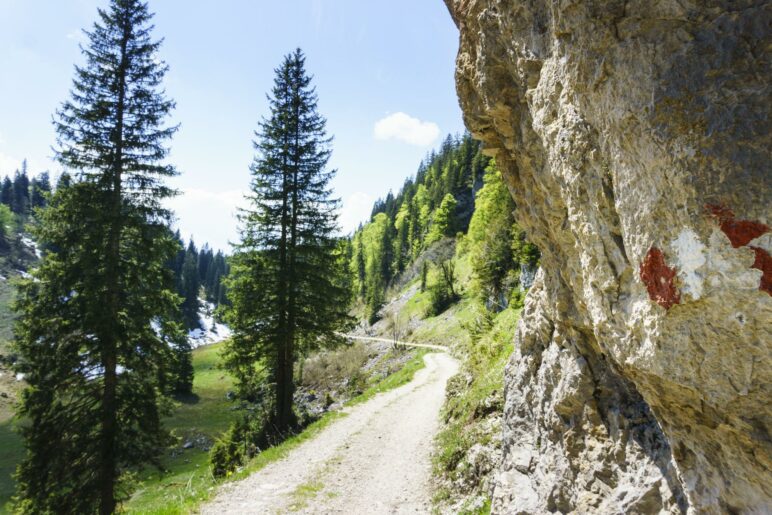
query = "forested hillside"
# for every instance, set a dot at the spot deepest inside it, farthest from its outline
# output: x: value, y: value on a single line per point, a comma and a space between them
x: 198, y: 276
x: 20, y: 197
x: 437, y: 203
x: 445, y: 262
x: 456, y: 190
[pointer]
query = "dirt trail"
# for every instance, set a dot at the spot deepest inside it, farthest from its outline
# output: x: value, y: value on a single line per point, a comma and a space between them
x: 375, y: 460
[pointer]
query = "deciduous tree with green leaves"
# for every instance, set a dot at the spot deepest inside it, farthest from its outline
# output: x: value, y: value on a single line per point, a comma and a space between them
x: 497, y: 245
x: 97, y: 319
x: 444, y: 220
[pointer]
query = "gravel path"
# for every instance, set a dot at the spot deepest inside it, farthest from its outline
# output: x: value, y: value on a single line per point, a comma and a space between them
x: 375, y: 460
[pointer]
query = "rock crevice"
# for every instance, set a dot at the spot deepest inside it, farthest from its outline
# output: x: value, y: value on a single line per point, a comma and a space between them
x: 634, y: 137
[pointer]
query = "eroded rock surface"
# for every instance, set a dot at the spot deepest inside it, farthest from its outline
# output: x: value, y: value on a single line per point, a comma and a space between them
x: 635, y: 137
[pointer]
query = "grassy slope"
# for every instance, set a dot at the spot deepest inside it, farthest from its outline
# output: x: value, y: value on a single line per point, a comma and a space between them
x: 467, y: 405
x: 11, y: 450
x: 6, y: 315
x: 208, y: 416
x: 205, y: 416
x: 190, y: 481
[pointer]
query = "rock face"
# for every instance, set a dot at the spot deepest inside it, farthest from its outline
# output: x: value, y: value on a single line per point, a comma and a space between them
x: 635, y: 138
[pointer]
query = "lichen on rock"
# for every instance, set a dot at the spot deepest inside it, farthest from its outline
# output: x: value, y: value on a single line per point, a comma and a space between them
x: 623, y: 127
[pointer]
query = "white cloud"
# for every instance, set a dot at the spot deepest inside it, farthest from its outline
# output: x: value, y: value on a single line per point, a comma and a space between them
x: 405, y: 128
x: 78, y: 36
x: 9, y: 164
x: 355, y: 210
x: 208, y: 216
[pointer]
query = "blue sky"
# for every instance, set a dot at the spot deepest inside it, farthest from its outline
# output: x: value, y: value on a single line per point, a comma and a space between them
x: 383, y: 72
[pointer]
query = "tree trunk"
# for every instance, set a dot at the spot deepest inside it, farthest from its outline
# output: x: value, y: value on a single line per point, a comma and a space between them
x: 285, y: 388
x: 108, y: 459
x: 108, y: 469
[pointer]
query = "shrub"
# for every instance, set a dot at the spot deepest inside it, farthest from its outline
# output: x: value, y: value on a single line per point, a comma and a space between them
x: 442, y: 292
x: 328, y: 370
x: 239, y: 444
x: 517, y: 298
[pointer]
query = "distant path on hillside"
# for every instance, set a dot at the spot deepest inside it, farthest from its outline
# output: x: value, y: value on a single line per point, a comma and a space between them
x: 394, y: 342
x: 375, y: 460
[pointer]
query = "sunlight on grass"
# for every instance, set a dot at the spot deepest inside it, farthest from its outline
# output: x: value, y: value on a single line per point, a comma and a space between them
x: 189, y: 481
x: 11, y: 453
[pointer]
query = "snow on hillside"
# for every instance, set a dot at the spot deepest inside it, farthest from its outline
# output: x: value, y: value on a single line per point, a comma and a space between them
x: 211, y: 331
x: 31, y: 245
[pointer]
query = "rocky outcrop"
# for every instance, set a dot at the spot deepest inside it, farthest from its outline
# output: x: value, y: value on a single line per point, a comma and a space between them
x: 635, y: 137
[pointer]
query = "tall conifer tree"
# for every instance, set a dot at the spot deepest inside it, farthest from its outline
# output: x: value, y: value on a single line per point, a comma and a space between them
x: 96, y: 320
x: 285, y: 287
x: 21, y: 201
x: 6, y: 193
x: 191, y: 286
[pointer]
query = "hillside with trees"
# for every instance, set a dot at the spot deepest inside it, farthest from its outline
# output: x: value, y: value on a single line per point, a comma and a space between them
x: 22, y: 196
x: 456, y: 192
x: 436, y: 203
x: 444, y: 262
x: 199, y: 276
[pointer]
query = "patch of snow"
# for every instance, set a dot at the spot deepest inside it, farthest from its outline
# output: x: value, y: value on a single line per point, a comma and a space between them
x: 20, y: 376
x: 211, y: 331
x: 156, y: 326
x: 24, y: 274
x: 31, y: 244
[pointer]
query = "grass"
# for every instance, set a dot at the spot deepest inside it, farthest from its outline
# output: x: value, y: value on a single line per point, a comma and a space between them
x: 402, y: 376
x: 201, y: 418
x: 304, y: 493
x: 468, y: 405
x: 190, y: 481
x: 187, y: 479
x: 11, y: 452
x: 327, y: 370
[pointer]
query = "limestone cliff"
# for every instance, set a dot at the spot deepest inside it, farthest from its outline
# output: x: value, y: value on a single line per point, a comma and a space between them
x: 635, y: 138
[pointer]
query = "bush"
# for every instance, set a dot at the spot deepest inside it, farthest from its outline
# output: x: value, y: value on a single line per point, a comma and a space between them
x: 442, y: 292
x: 243, y: 441
x: 226, y: 454
x: 440, y: 299
x: 328, y: 370
x: 517, y: 298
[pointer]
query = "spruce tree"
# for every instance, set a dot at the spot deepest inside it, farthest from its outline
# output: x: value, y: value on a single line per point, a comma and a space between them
x: 285, y: 288
x: 191, y: 286
x: 21, y: 201
x: 41, y: 187
x: 63, y: 182
x: 6, y: 193
x: 96, y: 321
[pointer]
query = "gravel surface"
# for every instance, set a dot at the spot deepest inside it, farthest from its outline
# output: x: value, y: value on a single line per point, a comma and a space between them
x: 375, y: 460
